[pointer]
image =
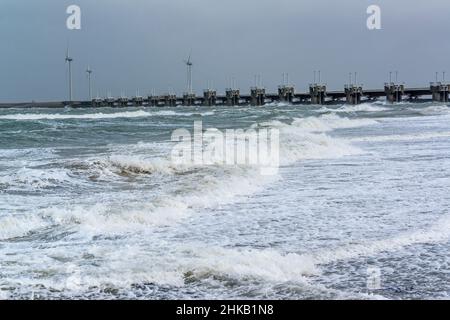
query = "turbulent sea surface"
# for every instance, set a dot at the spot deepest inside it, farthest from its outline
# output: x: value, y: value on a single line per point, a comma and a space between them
x: 91, y: 206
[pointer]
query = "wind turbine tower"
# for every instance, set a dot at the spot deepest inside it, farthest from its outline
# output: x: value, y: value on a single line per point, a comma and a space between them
x: 69, y: 60
x: 89, y: 73
x: 189, y: 64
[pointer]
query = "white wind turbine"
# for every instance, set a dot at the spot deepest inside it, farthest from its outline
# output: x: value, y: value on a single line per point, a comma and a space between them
x: 69, y: 60
x: 89, y: 73
x: 189, y: 65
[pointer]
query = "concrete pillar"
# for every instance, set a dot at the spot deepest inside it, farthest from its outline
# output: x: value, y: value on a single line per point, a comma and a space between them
x: 153, y: 101
x: 233, y: 97
x: 353, y: 94
x: 169, y: 100
x: 97, y: 102
x: 123, y: 101
x: 286, y: 93
x: 138, y: 101
x: 394, y: 92
x: 258, y: 96
x: 318, y: 93
x: 439, y: 91
x: 110, y: 102
x: 209, y: 98
x: 189, y: 99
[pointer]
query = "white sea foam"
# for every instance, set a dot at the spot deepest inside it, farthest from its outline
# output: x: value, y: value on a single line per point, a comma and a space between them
x: 330, y: 122
x: 184, y: 114
x: 4, y: 295
x: 269, y: 265
x: 90, y: 116
x: 314, y: 146
x: 136, y: 265
x: 301, y: 140
x: 306, y: 138
x: 436, y: 233
x: 201, y: 187
x: 33, y: 179
x: 192, y: 192
x: 434, y: 110
x: 143, y: 254
x: 324, y: 123
x: 363, y: 107
x: 15, y: 225
x: 207, y: 262
x: 57, y: 116
x: 404, y: 137
x: 277, y: 104
x: 141, y: 165
x: 118, y: 218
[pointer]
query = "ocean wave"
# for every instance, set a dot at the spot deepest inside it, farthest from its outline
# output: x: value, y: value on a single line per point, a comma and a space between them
x: 195, y: 188
x: 405, y: 137
x: 135, y: 265
x: 434, y: 110
x: 307, y: 139
x: 435, y: 233
x: 29, y: 179
x: 184, y: 114
x: 186, y: 196
x: 363, y: 107
x: 127, y: 164
x: 278, y: 104
x: 314, y: 147
x: 269, y: 265
x: 91, y: 116
x: 15, y: 225
x: 141, y: 165
x: 117, y: 217
x: 259, y: 271
x: 323, y: 123
x: 330, y: 122
x: 87, y: 116
x: 303, y: 139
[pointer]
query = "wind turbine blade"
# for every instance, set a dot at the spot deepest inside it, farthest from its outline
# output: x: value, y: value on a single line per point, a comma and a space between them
x: 189, y: 58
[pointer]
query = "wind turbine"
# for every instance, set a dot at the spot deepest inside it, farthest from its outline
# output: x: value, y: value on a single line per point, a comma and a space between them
x: 89, y: 72
x: 189, y: 64
x: 69, y: 60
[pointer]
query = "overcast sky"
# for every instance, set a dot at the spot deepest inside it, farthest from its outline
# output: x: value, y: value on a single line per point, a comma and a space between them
x: 141, y: 44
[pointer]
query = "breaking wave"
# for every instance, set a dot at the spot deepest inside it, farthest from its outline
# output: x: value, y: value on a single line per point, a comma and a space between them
x: 307, y: 138
x: 405, y: 137
x: 364, y: 107
x: 141, y: 165
x: 42, y: 116
x: 434, y: 110
x: 184, y: 114
x: 91, y: 116
x: 269, y: 265
x: 175, y: 202
x: 28, y: 179
x: 13, y: 226
x: 194, y: 188
x: 435, y: 233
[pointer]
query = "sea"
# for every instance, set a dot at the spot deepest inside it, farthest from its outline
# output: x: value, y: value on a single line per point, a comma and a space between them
x: 93, y: 207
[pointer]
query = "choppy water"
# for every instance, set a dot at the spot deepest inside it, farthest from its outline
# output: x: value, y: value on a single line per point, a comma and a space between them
x: 91, y: 207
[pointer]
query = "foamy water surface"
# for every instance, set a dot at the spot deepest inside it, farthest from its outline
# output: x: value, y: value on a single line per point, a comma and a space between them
x: 91, y: 206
